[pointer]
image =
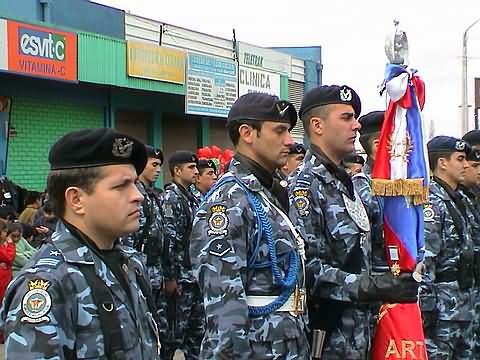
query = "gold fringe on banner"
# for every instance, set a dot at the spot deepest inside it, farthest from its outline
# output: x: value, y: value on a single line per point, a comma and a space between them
x: 401, y: 187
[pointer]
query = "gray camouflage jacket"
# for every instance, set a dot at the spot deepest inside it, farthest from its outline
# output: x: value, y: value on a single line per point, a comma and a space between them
x: 223, y: 257
x: 151, y: 217
x: 473, y: 211
x: 443, y: 246
x: 374, y: 206
x: 49, y: 312
x: 320, y: 213
x: 177, y: 213
x: 334, y: 226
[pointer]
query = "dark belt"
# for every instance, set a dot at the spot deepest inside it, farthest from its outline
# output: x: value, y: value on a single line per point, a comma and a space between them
x: 447, y: 276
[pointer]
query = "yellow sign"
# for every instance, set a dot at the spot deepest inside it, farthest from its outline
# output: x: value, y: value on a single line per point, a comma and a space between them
x: 155, y: 62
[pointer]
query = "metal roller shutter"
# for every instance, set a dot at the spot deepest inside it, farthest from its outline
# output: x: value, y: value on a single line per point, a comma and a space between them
x: 295, y: 96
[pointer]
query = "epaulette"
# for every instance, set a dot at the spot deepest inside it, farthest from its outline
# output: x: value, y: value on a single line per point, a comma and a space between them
x: 303, y: 180
x: 49, y: 257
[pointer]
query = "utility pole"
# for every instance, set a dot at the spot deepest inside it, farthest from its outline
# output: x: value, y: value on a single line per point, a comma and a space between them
x: 465, y: 120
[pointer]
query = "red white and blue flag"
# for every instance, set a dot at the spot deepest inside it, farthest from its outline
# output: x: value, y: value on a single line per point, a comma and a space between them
x: 400, y: 175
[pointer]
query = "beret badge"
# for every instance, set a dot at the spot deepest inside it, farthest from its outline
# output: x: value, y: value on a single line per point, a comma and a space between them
x: 345, y: 94
x: 122, y: 148
x: 282, y: 108
x: 460, y: 145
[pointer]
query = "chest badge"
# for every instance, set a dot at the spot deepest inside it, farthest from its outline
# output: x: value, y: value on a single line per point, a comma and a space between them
x: 218, y: 221
x: 301, y: 201
x: 36, y: 303
x: 357, y: 212
x: 428, y: 213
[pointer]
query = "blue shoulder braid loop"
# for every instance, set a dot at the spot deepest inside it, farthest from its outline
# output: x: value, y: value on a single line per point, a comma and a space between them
x: 264, y: 230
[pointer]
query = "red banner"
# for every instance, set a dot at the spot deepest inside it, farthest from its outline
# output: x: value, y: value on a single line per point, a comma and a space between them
x: 395, y: 322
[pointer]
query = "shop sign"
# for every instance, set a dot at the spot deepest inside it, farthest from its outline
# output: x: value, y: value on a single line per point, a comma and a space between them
x: 264, y: 59
x: 3, y: 45
x: 253, y: 80
x: 211, y: 85
x: 39, y: 51
x: 155, y: 62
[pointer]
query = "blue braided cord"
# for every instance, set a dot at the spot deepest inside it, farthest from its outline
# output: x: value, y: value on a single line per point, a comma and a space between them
x: 291, y: 278
x: 265, y: 229
x: 256, y: 311
x: 259, y: 234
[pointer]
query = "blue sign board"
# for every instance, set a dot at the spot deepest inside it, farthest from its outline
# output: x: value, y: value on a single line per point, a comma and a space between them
x: 211, y: 85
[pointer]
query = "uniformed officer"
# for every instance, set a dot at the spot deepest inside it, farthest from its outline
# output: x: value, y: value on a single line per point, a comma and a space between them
x: 207, y: 176
x: 369, y: 139
x: 83, y: 295
x: 353, y: 163
x: 473, y: 139
x: 331, y: 217
x: 447, y: 292
x: 148, y: 239
x: 246, y: 254
x: 470, y: 187
x: 182, y: 306
x: 295, y: 157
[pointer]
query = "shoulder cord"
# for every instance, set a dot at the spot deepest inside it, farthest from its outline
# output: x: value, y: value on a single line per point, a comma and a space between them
x: 299, y: 242
x: 265, y: 230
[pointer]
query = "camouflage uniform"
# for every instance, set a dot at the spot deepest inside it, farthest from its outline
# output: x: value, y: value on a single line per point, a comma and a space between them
x: 232, y: 264
x: 321, y: 215
x: 178, y: 206
x: 196, y: 193
x: 49, y: 311
x: 473, y: 211
x: 447, y: 308
x: 150, y: 228
x: 374, y: 206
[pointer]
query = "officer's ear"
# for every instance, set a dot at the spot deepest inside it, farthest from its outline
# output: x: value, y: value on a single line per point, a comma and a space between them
x: 442, y: 163
x: 74, y: 197
x: 177, y: 170
x: 246, y: 133
x: 316, y: 125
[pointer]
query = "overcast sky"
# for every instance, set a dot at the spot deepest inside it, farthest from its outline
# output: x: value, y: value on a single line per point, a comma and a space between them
x: 352, y: 35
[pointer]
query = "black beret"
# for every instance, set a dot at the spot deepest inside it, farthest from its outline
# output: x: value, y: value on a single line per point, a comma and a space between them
x: 474, y: 155
x: 96, y: 147
x: 153, y: 152
x: 262, y: 107
x: 205, y: 164
x: 472, y: 137
x: 448, y: 144
x: 354, y: 158
x: 331, y: 94
x: 182, y: 157
x: 297, y: 148
x: 371, y: 122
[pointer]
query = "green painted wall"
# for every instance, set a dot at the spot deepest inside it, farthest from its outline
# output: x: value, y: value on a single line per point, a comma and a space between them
x: 284, y: 87
x: 103, y: 60
x: 39, y: 123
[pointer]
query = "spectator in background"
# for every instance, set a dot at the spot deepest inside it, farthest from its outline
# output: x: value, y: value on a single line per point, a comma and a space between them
x: 33, y: 202
x: 7, y: 255
x: 22, y: 235
x: 44, y: 223
x: 7, y: 214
